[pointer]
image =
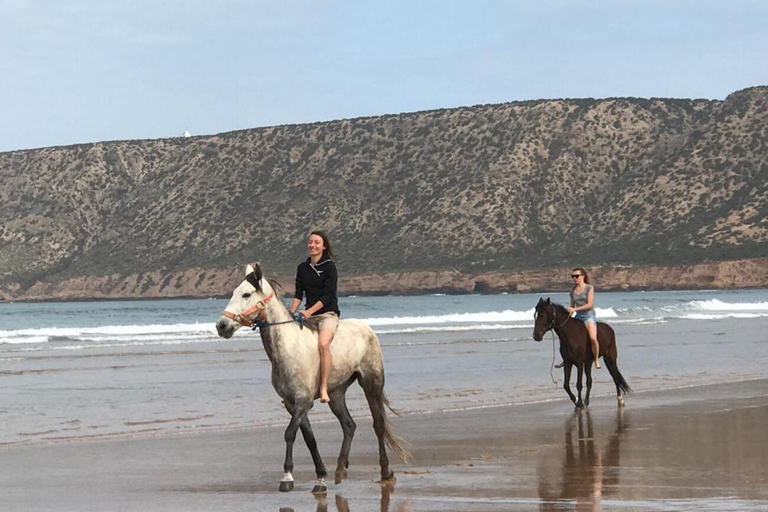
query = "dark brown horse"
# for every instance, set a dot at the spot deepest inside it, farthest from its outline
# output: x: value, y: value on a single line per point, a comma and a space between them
x: 576, y: 349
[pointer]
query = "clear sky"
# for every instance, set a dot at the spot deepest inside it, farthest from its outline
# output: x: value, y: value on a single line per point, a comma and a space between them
x: 75, y: 71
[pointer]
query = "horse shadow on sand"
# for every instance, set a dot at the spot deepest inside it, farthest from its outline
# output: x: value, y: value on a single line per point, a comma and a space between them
x: 588, y: 473
x: 342, y: 504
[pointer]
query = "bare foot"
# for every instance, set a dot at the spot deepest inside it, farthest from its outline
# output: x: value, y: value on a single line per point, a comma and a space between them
x: 560, y: 365
x: 597, y: 365
x: 324, y: 398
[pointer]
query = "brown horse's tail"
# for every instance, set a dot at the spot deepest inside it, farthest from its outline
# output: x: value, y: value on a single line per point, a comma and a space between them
x: 622, y: 387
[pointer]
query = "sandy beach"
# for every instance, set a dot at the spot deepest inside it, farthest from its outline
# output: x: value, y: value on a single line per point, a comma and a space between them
x: 696, y: 448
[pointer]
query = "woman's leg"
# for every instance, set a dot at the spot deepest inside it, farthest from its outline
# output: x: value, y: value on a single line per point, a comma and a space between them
x: 324, y: 338
x: 592, y: 330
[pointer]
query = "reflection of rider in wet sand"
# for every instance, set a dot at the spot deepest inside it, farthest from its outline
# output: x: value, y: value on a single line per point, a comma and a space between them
x: 586, y: 474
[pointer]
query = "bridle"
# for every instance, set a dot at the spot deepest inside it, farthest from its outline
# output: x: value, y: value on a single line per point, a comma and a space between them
x: 552, y: 325
x: 259, y: 308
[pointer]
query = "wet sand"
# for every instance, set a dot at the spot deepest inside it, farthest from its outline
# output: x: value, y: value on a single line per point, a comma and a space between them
x: 697, y: 448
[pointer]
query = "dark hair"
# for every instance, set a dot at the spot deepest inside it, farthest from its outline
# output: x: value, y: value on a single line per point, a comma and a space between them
x: 327, y: 251
x: 581, y: 269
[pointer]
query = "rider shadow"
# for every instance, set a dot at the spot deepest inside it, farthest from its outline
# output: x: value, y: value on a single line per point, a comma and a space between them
x: 342, y: 503
x: 588, y: 473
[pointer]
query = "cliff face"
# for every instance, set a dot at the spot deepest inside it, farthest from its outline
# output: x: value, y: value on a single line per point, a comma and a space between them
x: 485, y: 190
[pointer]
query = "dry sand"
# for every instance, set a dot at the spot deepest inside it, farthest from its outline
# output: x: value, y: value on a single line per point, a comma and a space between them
x: 699, y: 448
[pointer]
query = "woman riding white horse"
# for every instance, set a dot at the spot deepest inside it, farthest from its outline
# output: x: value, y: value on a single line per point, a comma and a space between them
x: 293, y: 352
x: 317, y: 278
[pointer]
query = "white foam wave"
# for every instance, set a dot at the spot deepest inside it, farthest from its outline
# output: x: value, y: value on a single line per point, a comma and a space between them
x: 107, y: 332
x: 451, y: 328
x: 703, y: 316
x: 718, y: 305
x: 487, y: 316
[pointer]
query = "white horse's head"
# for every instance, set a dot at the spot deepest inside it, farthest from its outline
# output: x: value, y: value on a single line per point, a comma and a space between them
x: 247, y: 303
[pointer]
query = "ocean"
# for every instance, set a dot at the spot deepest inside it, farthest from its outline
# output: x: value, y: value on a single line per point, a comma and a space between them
x: 94, y: 370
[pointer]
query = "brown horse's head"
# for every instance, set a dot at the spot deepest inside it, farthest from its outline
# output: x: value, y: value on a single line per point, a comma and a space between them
x: 544, y: 316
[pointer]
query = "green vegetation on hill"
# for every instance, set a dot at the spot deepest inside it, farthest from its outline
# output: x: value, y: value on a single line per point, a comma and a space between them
x: 494, y: 187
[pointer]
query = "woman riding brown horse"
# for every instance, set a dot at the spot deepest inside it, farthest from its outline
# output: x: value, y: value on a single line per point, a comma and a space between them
x: 576, y: 349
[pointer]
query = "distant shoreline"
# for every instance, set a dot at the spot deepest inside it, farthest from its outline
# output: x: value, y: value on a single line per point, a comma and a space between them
x: 200, y: 283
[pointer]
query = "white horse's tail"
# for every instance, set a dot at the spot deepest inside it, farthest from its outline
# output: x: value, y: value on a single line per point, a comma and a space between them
x: 377, y: 401
x: 394, y: 411
x: 396, y: 443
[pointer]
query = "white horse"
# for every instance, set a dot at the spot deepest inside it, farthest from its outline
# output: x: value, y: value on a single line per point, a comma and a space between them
x: 295, y: 359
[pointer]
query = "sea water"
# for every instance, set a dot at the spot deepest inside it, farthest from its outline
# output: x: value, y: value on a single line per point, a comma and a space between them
x: 82, y: 370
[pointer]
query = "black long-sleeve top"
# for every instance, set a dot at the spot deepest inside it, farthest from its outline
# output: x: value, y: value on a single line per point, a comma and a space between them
x: 318, y: 282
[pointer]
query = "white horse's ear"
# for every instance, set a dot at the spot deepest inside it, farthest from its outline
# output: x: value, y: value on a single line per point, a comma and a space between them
x: 253, y: 276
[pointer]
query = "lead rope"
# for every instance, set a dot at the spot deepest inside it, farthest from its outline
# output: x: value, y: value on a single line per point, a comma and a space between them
x: 552, y: 367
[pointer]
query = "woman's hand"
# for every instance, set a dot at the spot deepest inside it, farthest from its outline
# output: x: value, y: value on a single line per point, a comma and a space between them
x: 571, y: 311
x: 306, y: 314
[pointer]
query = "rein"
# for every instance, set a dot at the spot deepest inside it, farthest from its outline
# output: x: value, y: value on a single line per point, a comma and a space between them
x: 551, y: 328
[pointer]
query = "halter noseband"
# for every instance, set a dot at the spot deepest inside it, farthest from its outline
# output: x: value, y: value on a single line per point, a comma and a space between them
x: 245, y: 319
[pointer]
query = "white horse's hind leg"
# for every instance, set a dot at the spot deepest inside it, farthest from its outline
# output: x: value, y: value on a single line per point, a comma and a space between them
x: 339, y: 408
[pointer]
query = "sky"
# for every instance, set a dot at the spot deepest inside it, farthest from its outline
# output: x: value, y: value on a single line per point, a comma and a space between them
x: 78, y: 71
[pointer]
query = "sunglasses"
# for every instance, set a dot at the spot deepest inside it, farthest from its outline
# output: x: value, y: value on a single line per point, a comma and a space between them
x: 576, y: 275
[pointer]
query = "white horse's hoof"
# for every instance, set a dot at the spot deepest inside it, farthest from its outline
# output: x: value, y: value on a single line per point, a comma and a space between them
x: 286, y: 484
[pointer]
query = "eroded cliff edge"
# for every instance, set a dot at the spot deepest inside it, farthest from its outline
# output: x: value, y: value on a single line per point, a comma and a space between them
x: 204, y: 283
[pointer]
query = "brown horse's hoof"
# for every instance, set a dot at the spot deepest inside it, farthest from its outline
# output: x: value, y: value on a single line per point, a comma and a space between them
x: 341, y: 475
x: 390, y: 478
x: 286, y: 486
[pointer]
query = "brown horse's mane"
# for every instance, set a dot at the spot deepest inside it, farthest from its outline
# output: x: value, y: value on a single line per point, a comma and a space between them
x: 561, y: 308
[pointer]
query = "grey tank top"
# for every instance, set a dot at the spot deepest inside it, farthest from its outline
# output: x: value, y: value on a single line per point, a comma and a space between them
x: 579, y: 299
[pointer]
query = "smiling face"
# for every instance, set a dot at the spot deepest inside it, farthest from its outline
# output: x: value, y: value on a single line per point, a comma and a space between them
x: 315, y: 247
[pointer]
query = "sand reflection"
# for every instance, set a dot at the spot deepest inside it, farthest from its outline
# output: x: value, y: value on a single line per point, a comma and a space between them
x: 589, y: 471
x: 342, y: 504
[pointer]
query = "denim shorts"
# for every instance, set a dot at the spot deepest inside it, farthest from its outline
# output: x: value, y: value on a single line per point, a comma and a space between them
x: 586, y: 316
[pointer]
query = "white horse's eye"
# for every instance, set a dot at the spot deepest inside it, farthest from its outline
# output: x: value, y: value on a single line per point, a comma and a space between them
x: 246, y: 295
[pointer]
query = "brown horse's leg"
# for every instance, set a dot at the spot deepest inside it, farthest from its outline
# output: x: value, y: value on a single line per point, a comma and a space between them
x: 567, y: 383
x: 579, y: 378
x: 338, y: 405
x: 588, y: 371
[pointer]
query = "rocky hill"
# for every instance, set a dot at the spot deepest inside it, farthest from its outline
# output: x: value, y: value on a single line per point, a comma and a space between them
x: 483, y: 190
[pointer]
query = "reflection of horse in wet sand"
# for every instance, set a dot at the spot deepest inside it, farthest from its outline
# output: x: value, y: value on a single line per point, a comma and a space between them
x: 294, y: 355
x: 588, y: 473
x: 575, y: 348
x: 342, y: 503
